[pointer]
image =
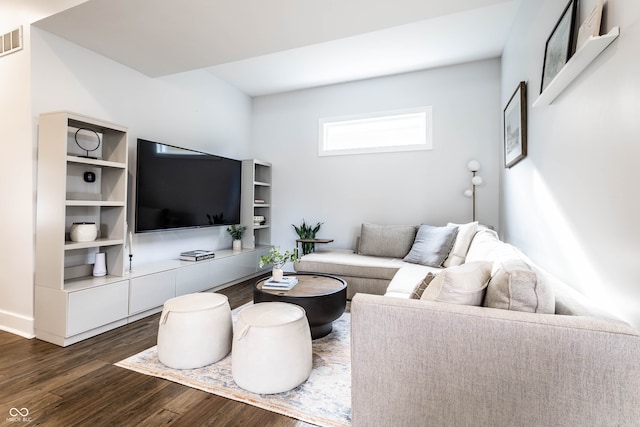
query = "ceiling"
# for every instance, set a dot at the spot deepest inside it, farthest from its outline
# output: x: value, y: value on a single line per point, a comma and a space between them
x: 265, y: 47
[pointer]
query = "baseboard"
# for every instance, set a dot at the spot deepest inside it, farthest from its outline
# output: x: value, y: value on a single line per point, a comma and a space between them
x: 17, y: 324
x: 63, y: 342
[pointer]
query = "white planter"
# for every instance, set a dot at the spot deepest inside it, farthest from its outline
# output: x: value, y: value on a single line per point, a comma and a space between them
x: 237, y: 245
x: 277, y: 274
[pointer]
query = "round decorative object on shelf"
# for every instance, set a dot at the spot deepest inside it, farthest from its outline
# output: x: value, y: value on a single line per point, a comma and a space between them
x: 84, y: 148
x: 83, y: 232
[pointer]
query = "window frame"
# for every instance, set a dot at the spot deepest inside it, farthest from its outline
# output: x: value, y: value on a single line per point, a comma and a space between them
x: 427, y: 145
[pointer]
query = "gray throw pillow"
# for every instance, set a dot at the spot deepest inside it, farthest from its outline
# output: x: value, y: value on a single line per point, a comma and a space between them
x: 432, y: 245
x: 392, y: 241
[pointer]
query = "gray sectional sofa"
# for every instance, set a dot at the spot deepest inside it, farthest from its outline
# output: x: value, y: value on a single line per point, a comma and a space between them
x: 486, y: 338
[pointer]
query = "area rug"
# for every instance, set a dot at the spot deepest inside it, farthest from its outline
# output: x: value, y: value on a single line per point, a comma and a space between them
x: 324, y: 399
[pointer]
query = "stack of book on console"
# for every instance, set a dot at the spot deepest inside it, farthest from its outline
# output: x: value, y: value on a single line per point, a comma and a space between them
x: 197, y: 255
x: 285, y: 284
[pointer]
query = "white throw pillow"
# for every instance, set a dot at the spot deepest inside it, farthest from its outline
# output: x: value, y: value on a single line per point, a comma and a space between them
x: 464, y: 284
x: 461, y: 245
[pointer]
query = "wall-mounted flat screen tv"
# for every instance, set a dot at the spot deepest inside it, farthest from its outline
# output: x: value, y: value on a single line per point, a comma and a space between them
x: 179, y: 188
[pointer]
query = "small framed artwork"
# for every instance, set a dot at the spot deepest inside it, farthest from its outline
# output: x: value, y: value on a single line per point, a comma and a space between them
x: 559, y: 45
x: 591, y: 26
x: 515, y: 126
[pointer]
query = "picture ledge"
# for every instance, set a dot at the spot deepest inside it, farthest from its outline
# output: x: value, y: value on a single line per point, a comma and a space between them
x: 577, y: 63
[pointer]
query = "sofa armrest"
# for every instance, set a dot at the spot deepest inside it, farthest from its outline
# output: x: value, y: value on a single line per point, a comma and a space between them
x: 426, y: 363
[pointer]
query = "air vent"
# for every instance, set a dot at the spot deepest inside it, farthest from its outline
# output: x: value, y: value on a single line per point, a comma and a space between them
x: 11, y: 42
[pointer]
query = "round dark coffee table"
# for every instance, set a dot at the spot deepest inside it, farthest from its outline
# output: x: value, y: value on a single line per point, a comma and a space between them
x: 322, y: 296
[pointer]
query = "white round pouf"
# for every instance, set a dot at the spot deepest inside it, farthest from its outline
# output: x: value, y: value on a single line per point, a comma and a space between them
x: 271, y: 348
x: 195, y: 330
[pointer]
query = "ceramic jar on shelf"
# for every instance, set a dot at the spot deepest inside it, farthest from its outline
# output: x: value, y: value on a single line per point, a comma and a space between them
x: 83, y: 232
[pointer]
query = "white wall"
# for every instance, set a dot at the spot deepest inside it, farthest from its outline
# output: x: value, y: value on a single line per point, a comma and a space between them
x: 571, y: 204
x: 16, y: 183
x: 17, y: 166
x: 396, y: 188
x: 192, y: 110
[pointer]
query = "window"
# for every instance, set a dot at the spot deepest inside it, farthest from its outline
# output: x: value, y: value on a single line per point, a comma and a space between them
x: 404, y: 130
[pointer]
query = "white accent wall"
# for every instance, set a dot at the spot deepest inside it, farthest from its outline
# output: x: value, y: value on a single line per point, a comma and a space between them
x: 194, y: 110
x: 572, y: 203
x: 384, y: 188
x: 16, y: 187
x: 17, y: 167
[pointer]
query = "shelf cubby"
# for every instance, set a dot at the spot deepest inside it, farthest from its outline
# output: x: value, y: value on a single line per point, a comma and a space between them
x: 64, y: 196
x: 256, y: 185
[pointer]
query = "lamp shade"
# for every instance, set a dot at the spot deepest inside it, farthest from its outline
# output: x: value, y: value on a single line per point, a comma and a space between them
x: 473, y: 165
x: 477, y: 180
x: 468, y: 192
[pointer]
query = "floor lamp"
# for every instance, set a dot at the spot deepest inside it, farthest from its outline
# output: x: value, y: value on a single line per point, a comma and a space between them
x: 476, y: 180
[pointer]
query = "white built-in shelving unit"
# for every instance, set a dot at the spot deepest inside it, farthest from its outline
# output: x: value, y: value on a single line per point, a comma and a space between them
x: 69, y: 299
x: 256, y: 201
x: 70, y: 303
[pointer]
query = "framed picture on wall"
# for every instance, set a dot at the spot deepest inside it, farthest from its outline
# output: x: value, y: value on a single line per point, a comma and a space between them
x: 559, y: 47
x: 515, y: 126
x: 591, y: 26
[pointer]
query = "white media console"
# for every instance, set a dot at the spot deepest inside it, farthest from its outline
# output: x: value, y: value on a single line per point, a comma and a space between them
x: 139, y: 294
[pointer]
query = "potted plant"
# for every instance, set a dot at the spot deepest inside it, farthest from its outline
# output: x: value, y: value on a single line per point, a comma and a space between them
x: 305, y: 231
x: 236, y: 232
x: 278, y: 259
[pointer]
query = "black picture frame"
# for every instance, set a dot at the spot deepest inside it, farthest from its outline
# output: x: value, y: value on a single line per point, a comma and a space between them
x: 560, y: 44
x: 515, y: 126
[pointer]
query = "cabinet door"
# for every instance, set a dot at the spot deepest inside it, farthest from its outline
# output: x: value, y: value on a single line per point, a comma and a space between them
x: 151, y: 291
x: 247, y: 264
x: 193, y: 278
x: 99, y: 306
x: 224, y: 270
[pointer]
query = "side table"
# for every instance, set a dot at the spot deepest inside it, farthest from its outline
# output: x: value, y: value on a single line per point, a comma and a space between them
x: 312, y: 241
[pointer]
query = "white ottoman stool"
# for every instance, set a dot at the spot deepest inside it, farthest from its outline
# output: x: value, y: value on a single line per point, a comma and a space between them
x: 271, y: 348
x: 195, y: 330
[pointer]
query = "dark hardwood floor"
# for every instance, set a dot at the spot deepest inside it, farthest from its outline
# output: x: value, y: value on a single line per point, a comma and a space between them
x: 78, y: 385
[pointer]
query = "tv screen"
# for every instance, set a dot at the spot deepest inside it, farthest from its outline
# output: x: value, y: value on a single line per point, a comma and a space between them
x: 180, y: 188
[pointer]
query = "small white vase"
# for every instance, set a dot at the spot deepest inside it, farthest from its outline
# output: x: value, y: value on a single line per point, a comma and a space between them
x: 100, y: 266
x: 237, y: 245
x: 277, y: 274
x: 83, y: 232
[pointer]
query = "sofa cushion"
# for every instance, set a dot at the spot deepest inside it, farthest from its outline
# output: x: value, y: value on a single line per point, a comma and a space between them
x: 432, y: 245
x: 483, y: 246
x: 462, y: 284
x: 515, y: 286
x: 461, y: 244
x: 343, y: 262
x: 392, y: 241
